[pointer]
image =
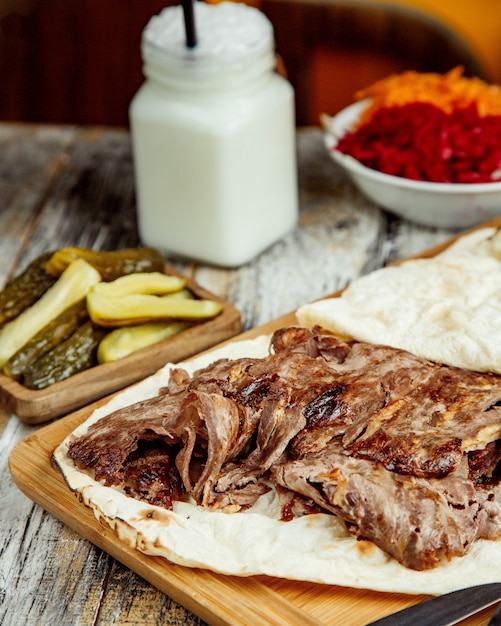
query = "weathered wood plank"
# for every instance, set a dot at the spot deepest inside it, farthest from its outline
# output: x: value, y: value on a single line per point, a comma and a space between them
x: 31, y: 159
x: 131, y: 600
x: 91, y: 204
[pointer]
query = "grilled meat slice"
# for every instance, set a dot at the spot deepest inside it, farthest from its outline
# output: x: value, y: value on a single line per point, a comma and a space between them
x: 407, y: 451
x: 411, y: 415
x: 420, y: 522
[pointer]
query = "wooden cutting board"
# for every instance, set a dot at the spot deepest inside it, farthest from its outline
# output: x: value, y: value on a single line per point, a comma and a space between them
x: 217, y: 599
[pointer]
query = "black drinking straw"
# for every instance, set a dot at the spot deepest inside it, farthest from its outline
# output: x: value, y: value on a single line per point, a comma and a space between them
x: 189, y: 24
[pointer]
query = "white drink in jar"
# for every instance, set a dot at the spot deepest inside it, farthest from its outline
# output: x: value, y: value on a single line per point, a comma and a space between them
x: 213, y: 136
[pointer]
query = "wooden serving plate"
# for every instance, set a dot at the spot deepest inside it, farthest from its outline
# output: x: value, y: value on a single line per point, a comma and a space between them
x: 38, y: 406
x: 219, y: 600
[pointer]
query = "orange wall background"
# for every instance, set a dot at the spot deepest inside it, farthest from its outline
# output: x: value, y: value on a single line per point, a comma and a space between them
x: 476, y: 22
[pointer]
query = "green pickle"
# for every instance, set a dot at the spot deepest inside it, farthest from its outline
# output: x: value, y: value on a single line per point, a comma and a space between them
x: 25, y: 289
x: 121, y: 342
x: 74, y: 355
x: 72, y: 286
x: 42, y: 342
x: 111, y: 264
x: 134, y: 309
x: 51, y: 335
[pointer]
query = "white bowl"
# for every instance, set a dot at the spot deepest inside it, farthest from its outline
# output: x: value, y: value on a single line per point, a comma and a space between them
x: 445, y: 205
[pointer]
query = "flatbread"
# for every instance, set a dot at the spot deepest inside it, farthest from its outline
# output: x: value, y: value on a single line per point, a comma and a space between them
x: 315, y: 548
x: 446, y: 309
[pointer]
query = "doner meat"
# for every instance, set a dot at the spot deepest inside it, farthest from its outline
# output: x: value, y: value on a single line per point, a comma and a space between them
x: 407, y: 452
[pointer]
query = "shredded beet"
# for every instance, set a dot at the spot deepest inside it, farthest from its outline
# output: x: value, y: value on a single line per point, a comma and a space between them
x: 421, y: 141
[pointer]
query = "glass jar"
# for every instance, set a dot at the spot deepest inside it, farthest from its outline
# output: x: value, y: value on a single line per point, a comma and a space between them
x: 213, y: 136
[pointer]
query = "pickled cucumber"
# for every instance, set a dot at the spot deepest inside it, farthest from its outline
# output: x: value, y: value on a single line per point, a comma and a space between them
x: 134, y: 309
x: 110, y: 264
x: 72, y: 286
x: 153, y: 283
x: 50, y: 327
x: 25, y: 289
x: 51, y: 335
x: 74, y: 355
x: 121, y: 342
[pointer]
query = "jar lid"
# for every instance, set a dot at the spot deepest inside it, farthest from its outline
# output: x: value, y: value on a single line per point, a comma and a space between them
x: 228, y: 33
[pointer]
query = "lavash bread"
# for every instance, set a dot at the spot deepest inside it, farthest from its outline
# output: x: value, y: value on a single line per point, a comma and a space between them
x: 315, y: 548
x: 446, y: 309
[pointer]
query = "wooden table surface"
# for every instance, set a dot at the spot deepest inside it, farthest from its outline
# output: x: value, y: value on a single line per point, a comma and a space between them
x: 62, y: 186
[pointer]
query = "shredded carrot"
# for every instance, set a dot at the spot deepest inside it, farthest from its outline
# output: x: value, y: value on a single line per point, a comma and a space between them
x: 448, y: 92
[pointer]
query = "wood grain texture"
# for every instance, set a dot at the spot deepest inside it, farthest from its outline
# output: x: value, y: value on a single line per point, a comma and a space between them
x: 69, y: 185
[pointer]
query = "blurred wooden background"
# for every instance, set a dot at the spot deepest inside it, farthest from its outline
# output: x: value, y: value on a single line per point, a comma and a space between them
x: 78, y: 61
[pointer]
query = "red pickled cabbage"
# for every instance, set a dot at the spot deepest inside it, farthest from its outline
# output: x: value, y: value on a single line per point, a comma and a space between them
x: 421, y: 141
